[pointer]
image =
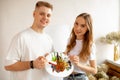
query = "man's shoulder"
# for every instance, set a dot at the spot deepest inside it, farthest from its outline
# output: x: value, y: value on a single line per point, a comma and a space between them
x: 22, y: 33
x: 25, y: 31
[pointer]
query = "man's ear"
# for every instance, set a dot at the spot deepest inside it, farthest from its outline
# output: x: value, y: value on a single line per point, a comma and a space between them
x: 34, y: 14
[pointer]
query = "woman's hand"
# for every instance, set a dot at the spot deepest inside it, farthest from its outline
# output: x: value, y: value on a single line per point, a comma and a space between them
x: 92, y: 68
x: 40, y: 62
x: 75, y: 59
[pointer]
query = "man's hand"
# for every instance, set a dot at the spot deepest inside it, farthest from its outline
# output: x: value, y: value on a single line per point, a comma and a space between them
x: 40, y: 62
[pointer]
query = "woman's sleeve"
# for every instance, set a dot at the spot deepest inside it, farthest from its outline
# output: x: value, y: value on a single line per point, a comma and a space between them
x: 93, y: 52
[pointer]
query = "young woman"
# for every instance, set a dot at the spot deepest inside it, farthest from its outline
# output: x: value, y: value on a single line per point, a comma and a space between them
x: 81, y: 48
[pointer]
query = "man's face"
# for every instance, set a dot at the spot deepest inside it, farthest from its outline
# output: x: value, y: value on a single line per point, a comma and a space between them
x: 42, y: 16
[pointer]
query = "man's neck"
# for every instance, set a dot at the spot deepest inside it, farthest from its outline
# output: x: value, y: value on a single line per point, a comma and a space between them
x: 37, y: 29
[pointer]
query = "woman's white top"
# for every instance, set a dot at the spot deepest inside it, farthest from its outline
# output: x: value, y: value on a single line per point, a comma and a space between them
x: 29, y: 45
x: 76, y: 50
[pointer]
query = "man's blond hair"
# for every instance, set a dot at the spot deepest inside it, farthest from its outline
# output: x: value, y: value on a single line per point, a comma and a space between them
x: 43, y: 3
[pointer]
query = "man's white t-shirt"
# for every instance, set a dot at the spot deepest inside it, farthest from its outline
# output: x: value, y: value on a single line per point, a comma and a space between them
x: 29, y: 45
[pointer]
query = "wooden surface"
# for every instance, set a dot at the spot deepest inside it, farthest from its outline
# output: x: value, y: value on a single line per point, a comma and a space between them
x: 113, y: 69
x: 113, y: 73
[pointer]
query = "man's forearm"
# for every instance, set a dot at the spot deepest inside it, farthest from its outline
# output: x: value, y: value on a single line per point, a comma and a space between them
x: 18, y: 66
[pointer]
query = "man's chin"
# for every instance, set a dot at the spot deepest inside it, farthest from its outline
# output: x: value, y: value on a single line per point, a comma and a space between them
x: 44, y: 25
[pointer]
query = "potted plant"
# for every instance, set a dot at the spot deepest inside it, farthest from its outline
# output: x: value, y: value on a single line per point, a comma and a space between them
x: 113, y: 38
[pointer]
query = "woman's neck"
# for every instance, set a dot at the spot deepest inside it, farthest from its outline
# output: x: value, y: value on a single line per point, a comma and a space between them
x: 80, y: 38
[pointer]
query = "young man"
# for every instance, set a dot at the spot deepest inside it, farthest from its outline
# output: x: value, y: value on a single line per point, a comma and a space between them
x: 26, y: 55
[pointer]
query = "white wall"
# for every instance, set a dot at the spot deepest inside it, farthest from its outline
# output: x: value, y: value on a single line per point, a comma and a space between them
x: 16, y: 15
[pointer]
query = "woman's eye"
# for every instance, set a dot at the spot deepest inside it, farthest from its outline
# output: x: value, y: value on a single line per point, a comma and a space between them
x: 76, y: 23
x: 82, y: 25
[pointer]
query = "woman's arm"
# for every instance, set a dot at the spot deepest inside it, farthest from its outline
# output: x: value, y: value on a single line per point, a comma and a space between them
x: 89, y: 69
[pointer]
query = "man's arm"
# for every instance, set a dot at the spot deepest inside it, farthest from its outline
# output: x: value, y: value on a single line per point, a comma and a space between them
x: 39, y: 63
x: 18, y: 66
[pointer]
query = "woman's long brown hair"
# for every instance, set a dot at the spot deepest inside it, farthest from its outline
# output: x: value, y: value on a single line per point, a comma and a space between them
x: 87, y: 41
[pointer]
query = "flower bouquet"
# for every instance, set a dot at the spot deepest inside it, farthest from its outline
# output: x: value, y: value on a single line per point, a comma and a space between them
x: 113, y: 38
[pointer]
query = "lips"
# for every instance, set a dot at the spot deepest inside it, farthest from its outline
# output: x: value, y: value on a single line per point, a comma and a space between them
x: 44, y: 21
x: 78, y: 32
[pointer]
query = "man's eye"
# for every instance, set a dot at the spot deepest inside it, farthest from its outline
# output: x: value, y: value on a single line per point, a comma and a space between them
x: 48, y: 15
x: 41, y: 13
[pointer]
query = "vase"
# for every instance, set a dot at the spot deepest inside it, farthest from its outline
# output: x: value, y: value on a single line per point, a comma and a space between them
x: 116, y: 52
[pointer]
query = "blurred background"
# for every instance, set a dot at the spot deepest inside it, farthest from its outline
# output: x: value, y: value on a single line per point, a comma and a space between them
x: 17, y: 15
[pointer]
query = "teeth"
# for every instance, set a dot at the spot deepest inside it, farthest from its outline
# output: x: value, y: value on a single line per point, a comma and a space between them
x: 43, y: 22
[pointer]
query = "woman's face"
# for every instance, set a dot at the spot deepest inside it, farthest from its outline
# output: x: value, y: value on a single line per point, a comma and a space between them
x: 80, y: 27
